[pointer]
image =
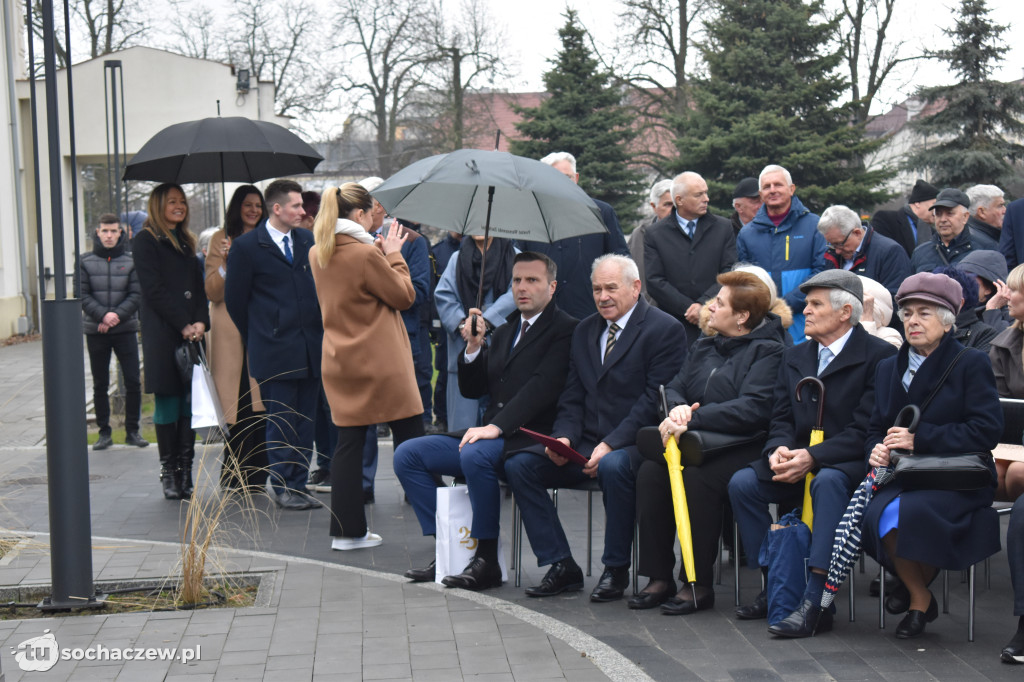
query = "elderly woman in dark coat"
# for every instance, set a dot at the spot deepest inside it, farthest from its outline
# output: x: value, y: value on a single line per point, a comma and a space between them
x: 726, y: 385
x: 917, y: 532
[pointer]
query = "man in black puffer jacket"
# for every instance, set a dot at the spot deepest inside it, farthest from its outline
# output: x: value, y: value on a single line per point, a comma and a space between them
x: 110, y: 293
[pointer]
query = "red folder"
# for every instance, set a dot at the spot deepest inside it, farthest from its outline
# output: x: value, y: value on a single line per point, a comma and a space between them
x: 558, y: 447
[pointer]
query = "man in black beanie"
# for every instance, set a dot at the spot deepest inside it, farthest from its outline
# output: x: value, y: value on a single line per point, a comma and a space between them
x: 911, y: 225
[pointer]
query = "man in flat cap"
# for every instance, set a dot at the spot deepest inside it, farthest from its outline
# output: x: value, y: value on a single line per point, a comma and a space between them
x: 843, y: 356
x: 953, y: 239
x: 911, y: 225
x: 746, y: 200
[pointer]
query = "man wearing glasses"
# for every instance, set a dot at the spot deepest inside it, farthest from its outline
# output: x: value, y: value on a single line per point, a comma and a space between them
x: 856, y: 247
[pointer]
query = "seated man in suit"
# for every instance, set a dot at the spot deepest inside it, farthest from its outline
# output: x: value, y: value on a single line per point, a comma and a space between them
x: 523, y: 369
x: 618, y: 359
x: 844, y: 356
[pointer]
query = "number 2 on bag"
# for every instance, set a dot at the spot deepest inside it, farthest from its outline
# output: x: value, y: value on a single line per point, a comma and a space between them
x: 465, y: 539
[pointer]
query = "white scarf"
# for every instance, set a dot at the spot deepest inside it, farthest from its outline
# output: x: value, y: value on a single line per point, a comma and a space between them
x: 353, y: 229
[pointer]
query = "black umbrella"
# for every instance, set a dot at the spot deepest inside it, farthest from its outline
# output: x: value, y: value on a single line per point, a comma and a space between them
x: 474, y: 191
x: 232, y: 149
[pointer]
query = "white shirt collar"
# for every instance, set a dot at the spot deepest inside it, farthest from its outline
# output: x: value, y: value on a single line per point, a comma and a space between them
x: 837, y: 346
x: 278, y: 237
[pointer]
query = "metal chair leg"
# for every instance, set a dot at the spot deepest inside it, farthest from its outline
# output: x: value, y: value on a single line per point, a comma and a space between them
x: 517, y: 542
x: 970, y: 603
x: 718, y: 560
x: 881, y: 598
x: 736, y: 563
x: 852, y: 584
x: 636, y: 558
x: 590, y: 530
x: 945, y: 591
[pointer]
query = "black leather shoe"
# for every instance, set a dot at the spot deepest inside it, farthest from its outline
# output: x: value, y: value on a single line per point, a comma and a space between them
x: 135, y: 439
x: 897, y: 601
x: 756, y: 611
x: 103, y: 442
x: 612, y: 584
x: 563, y: 576
x: 913, y: 623
x: 292, y: 501
x: 648, y: 600
x: 421, y: 575
x: 806, y: 621
x: 684, y: 607
x: 479, y: 575
x: 1014, y: 651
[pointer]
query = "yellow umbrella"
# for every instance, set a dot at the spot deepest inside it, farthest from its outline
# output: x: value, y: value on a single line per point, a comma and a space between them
x: 675, y: 476
x: 817, y: 436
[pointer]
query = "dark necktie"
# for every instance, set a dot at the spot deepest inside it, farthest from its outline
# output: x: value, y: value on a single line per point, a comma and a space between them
x: 522, y: 332
x: 288, y: 250
x: 610, y: 343
x: 690, y: 227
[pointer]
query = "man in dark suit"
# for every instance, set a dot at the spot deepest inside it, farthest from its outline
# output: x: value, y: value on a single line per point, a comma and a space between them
x: 574, y: 255
x: 1011, y: 240
x: 844, y: 357
x: 858, y: 248
x: 272, y: 300
x: 686, y: 251
x: 910, y: 226
x: 618, y: 359
x: 523, y: 368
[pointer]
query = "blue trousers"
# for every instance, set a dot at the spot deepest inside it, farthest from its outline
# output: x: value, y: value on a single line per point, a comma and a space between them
x: 291, y: 413
x: 530, y: 475
x: 417, y: 459
x: 830, y: 494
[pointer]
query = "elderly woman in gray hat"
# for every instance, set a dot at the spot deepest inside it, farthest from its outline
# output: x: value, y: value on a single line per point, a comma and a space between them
x: 917, y: 532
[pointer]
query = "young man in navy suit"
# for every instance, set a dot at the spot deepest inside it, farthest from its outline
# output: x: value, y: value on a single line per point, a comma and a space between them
x: 522, y: 367
x: 617, y: 360
x: 272, y: 300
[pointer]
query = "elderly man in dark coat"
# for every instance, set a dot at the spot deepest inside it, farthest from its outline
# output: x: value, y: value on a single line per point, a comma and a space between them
x: 953, y: 239
x: 844, y: 356
x: 686, y: 251
x: 858, y: 248
x: 917, y: 532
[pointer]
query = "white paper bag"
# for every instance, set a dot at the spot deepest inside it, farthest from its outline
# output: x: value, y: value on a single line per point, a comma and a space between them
x: 454, y: 548
x: 206, y: 411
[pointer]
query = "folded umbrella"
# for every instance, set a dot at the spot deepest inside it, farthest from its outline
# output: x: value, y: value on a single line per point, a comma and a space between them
x: 673, y: 458
x: 817, y: 436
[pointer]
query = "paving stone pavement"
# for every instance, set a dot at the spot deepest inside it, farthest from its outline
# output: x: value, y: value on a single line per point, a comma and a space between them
x: 334, y: 615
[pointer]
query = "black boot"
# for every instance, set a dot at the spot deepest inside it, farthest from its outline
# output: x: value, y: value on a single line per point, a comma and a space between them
x: 167, y: 447
x: 186, y: 453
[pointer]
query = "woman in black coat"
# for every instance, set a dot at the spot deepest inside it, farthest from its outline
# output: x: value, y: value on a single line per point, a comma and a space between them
x: 725, y: 385
x: 174, y: 310
x: 918, y: 532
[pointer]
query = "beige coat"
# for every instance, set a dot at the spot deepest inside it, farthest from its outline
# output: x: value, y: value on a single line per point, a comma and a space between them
x: 367, y: 367
x: 225, y: 343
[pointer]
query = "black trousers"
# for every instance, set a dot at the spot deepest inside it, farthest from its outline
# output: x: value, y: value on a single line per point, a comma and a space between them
x: 706, y: 498
x: 348, y: 515
x: 245, y: 453
x: 125, y: 346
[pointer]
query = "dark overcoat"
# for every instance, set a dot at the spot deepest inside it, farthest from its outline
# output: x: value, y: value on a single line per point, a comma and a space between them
x: 849, y: 395
x: 524, y: 381
x: 274, y: 305
x: 682, y: 271
x: 896, y: 225
x: 609, y: 402
x: 945, y: 528
x: 173, y: 297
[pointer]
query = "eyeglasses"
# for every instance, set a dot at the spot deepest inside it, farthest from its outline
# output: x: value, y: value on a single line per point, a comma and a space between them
x: 836, y: 247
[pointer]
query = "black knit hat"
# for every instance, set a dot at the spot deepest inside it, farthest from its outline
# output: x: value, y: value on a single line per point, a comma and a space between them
x: 923, y: 191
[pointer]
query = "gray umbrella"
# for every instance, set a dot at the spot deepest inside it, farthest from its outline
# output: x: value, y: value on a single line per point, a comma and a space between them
x: 490, y: 193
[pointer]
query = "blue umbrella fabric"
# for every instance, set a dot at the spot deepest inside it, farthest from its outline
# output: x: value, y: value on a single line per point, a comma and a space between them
x: 230, y: 149
x: 459, y: 191
x: 847, y: 543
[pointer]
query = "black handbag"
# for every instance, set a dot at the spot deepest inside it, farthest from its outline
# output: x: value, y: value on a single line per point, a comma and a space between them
x: 954, y: 471
x: 186, y: 356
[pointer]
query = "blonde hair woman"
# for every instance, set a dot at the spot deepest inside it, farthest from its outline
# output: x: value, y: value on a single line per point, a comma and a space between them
x: 367, y: 370
x: 1007, y: 355
x: 173, y: 310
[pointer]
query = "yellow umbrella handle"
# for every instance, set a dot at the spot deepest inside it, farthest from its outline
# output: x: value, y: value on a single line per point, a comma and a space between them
x: 807, y: 511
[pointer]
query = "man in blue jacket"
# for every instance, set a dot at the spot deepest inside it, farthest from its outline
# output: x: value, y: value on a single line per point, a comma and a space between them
x: 784, y: 240
x: 270, y: 295
x: 858, y: 248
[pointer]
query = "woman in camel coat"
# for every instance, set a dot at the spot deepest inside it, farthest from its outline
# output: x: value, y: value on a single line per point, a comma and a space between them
x: 367, y: 368
x: 245, y: 457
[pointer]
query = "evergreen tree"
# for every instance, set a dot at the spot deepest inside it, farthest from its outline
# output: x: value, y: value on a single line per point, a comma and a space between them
x: 769, y: 97
x: 583, y: 116
x: 980, y: 114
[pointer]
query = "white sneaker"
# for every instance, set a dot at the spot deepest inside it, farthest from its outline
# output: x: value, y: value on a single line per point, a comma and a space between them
x: 368, y: 540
